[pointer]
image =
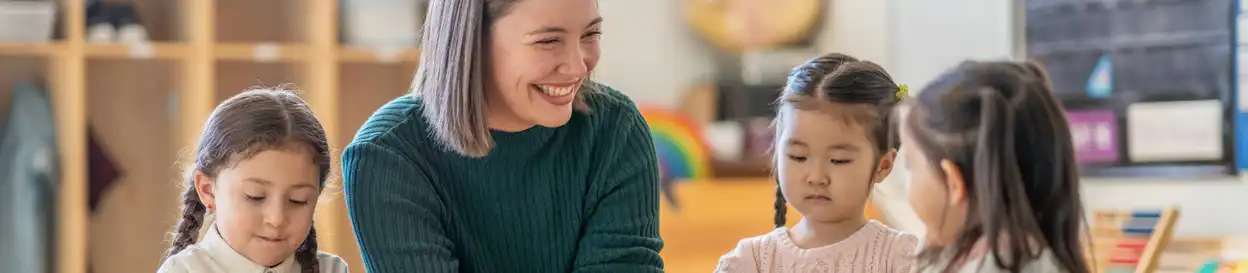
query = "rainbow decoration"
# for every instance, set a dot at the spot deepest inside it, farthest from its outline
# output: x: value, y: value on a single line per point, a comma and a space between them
x: 683, y: 153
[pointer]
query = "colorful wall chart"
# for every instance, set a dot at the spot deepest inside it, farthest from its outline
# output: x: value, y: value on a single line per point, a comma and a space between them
x: 1095, y: 135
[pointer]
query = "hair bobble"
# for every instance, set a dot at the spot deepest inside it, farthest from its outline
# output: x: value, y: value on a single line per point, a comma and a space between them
x: 903, y: 92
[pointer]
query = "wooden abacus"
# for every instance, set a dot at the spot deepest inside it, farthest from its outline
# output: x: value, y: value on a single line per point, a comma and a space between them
x: 1130, y: 241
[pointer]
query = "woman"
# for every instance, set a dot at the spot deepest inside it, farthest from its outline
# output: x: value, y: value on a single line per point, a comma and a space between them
x: 506, y: 158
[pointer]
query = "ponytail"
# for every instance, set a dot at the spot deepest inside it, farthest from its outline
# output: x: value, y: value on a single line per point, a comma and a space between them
x: 306, y: 254
x: 192, y: 219
x: 781, y: 208
x: 995, y: 162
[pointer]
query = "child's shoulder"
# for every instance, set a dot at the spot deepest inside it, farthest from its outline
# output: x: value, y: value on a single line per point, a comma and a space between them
x: 898, y: 238
x: 188, y: 260
x: 331, y: 263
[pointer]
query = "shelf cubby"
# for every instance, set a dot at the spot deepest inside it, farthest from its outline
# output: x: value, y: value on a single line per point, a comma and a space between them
x: 234, y: 77
x: 19, y: 69
x: 274, y: 21
x: 146, y: 102
x: 132, y: 119
x: 364, y: 88
x: 162, y: 19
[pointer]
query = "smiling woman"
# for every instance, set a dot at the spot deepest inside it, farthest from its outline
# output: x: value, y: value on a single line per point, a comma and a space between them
x: 506, y: 157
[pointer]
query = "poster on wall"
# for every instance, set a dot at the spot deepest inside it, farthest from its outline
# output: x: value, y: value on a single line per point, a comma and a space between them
x: 1095, y: 135
x: 1175, y: 131
x: 1163, y: 70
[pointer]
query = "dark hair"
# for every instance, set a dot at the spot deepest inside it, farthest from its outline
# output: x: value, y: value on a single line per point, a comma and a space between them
x: 999, y: 123
x: 243, y: 126
x: 452, y: 73
x: 840, y: 78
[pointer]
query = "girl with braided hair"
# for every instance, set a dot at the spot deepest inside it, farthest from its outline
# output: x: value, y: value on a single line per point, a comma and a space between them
x: 261, y: 163
x: 834, y: 142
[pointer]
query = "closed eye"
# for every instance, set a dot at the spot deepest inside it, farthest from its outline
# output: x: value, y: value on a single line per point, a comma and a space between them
x: 548, y: 41
x: 797, y: 158
x: 298, y: 202
x: 255, y: 198
x: 840, y: 162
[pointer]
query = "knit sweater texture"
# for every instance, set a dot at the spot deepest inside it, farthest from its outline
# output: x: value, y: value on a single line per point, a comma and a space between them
x: 874, y: 248
x: 582, y: 197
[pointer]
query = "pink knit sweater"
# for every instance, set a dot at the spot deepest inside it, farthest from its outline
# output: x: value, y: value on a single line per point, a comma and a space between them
x: 874, y: 248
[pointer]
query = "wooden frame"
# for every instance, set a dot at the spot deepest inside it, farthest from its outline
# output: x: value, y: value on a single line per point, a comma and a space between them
x: 194, y: 41
x: 1108, y: 229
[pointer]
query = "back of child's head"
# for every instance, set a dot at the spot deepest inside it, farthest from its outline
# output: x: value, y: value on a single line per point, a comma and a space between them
x: 1007, y: 136
x: 834, y: 83
x: 243, y: 126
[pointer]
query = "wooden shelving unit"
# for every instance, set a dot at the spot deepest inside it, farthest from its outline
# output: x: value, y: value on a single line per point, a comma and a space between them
x: 147, y: 103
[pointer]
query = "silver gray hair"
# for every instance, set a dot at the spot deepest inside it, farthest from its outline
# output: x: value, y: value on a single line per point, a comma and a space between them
x: 451, y: 77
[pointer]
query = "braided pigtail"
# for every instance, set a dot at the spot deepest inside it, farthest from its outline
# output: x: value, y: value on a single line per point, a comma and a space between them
x: 306, y: 254
x: 192, y: 219
x: 781, y: 208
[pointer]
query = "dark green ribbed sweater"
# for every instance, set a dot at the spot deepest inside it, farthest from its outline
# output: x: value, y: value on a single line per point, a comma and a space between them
x: 583, y: 197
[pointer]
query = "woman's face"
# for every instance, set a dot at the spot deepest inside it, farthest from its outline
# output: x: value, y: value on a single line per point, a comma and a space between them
x: 541, y: 52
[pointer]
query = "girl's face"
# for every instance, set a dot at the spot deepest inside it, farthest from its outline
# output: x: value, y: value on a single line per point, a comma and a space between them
x: 264, y: 204
x: 541, y: 52
x: 935, y: 194
x: 826, y: 164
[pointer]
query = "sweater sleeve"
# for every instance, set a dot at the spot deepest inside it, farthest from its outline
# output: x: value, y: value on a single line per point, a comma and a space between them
x: 622, y: 230
x: 395, y: 212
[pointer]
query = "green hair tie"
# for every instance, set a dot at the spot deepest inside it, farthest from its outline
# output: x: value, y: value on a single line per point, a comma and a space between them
x: 903, y: 92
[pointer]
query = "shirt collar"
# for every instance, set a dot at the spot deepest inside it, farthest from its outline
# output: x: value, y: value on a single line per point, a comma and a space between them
x: 232, y: 261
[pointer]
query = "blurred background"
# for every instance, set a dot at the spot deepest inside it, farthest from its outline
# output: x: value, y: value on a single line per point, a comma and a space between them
x: 100, y: 102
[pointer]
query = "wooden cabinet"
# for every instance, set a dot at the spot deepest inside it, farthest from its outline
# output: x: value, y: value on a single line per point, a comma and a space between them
x: 146, y: 103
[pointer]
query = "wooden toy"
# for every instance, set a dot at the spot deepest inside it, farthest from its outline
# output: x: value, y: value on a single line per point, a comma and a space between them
x: 1130, y: 241
x: 679, y: 144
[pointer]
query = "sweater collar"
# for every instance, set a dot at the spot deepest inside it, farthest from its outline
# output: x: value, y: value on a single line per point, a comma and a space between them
x: 232, y: 261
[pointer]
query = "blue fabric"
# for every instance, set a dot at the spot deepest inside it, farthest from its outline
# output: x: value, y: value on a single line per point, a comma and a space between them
x: 29, y: 173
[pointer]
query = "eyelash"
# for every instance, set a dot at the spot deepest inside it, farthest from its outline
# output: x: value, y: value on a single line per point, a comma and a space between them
x: 261, y: 198
x: 800, y: 159
x: 556, y: 40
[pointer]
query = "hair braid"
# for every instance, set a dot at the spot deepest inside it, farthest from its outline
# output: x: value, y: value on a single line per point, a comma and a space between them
x: 306, y: 254
x: 192, y: 219
x: 781, y: 208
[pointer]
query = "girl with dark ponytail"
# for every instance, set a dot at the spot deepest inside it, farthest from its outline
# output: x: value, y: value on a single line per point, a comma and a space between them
x: 993, y: 173
x: 834, y: 142
x: 260, y: 167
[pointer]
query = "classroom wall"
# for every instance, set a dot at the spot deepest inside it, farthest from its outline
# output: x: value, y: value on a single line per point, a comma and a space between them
x: 654, y: 59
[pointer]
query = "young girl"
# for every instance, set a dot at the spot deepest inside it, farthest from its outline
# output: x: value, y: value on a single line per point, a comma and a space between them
x: 993, y: 172
x: 262, y: 162
x: 833, y: 143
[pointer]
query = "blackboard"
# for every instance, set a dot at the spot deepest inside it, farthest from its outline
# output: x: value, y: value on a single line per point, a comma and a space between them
x: 1106, y: 55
